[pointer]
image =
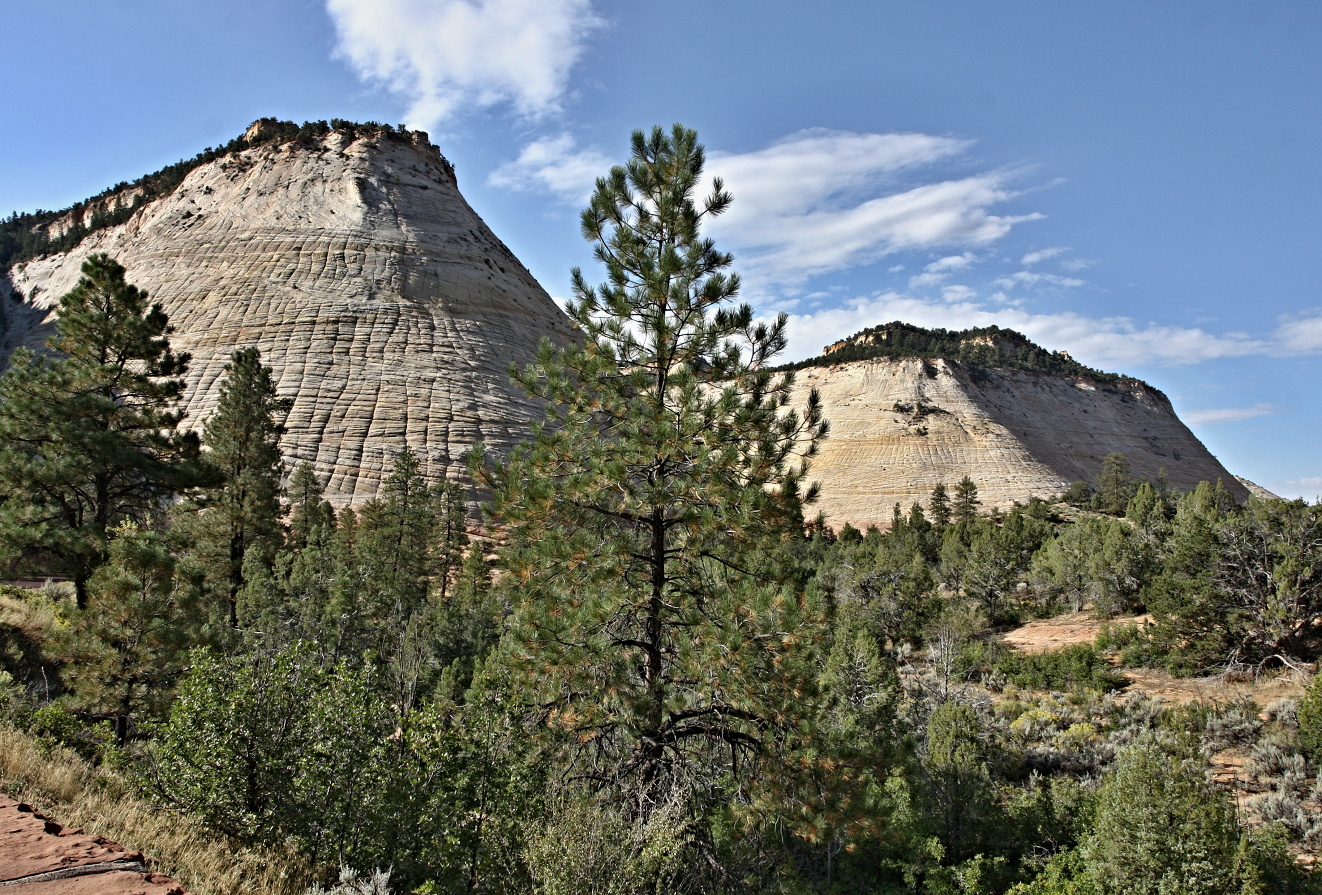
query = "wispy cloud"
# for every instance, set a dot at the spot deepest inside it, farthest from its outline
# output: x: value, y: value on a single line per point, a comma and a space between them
x: 792, y: 247
x: 1111, y: 342
x: 1041, y: 255
x: 446, y: 55
x: 951, y: 262
x: 553, y: 164
x: 927, y: 279
x: 821, y: 201
x: 1227, y: 415
x: 1032, y: 279
x: 1301, y: 335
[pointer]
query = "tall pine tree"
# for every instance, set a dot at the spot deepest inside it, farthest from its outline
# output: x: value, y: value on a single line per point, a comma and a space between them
x: 243, y: 437
x: 939, y: 506
x: 657, y: 626
x: 88, y: 435
x: 965, y: 506
x: 311, y: 517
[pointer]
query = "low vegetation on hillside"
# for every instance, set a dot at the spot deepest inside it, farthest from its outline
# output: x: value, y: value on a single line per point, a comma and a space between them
x: 651, y: 673
x: 978, y: 348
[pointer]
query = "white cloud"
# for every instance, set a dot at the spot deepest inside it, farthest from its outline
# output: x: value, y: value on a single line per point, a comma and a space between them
x: 792, y: 247
x: 951, y: 262
x: 1074, y: 265
x: 924, y: 280
x: 1030, y: 279
x: 822, y: 201
x: 1227, y: 415
x: 817, y: 201
x: 1041, y: 255
x: 445, y: 55
x: 1117, y: 343
x: 1301, y: 336
x: 554, y: 165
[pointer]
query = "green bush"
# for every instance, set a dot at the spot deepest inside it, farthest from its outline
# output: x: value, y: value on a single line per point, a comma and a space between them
x: 1160, y: 828
x: 1078, y: 667
x: 55, y: 725
x: 265, y: 747
x: 1310, y: 720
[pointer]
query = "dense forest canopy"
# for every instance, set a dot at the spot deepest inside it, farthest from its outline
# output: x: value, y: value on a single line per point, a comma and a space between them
x: 982, y: 347
x: 24, y: 235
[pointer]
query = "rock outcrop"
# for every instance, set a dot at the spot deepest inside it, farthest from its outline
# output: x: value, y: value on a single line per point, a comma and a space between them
x: 900, y: 426
x: 40, y: 857
x: 389, y: 312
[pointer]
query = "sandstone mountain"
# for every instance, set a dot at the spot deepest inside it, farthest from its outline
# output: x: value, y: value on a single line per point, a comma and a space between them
x: 1020, y: 421
x: 390, y: 314
x: 388, y: 310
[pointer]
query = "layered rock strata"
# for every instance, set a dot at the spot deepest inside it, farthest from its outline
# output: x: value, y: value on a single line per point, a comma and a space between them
x: 389, y: 312
x: 901, y: 426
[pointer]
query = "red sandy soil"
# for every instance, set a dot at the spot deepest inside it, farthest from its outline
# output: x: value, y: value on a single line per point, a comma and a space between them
x: 40, y: 857
x: 1049, y: 634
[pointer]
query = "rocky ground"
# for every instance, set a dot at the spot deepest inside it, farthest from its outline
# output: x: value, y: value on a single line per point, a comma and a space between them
x: 40, y: 857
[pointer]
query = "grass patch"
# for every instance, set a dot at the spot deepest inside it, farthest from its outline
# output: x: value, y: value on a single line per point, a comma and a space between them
x: 68, y: 789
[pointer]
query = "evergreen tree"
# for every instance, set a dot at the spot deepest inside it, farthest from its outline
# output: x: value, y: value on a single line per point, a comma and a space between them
x: 1114, y: 486
x: 311, y: 518
x: 1149, y: 509
x: 451, y: 536
x: 1190, y: 629
x: 955, y: 787
x: 129, y: 646
x: 243, y: 513
x: 1160, y: 827
x: 397, y: 542
x: 1269, y: 579
x: 658, y: 624
x: 87, y: 436
x: 917, y: 523
x: 1095, y: 560
x: 966, y: 503
x: 939, y: 506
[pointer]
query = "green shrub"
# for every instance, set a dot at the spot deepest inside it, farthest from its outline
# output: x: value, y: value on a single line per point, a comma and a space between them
x: 1160, y: 828
x: 1072, y: 668
x: 56, y: 726
x: 1310, y: 720
x: 1235, y: 725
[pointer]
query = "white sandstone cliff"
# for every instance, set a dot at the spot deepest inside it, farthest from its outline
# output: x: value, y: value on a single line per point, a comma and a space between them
x: 388, y: 310
x: 899, y: 427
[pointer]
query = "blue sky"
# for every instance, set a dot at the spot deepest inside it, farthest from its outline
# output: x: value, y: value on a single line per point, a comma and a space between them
x: 1136, y: 183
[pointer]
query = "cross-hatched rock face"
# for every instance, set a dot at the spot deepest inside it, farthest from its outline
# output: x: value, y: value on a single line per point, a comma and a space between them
x: 387, y: 309
x: 390, y: 314
x: 899, y: 427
